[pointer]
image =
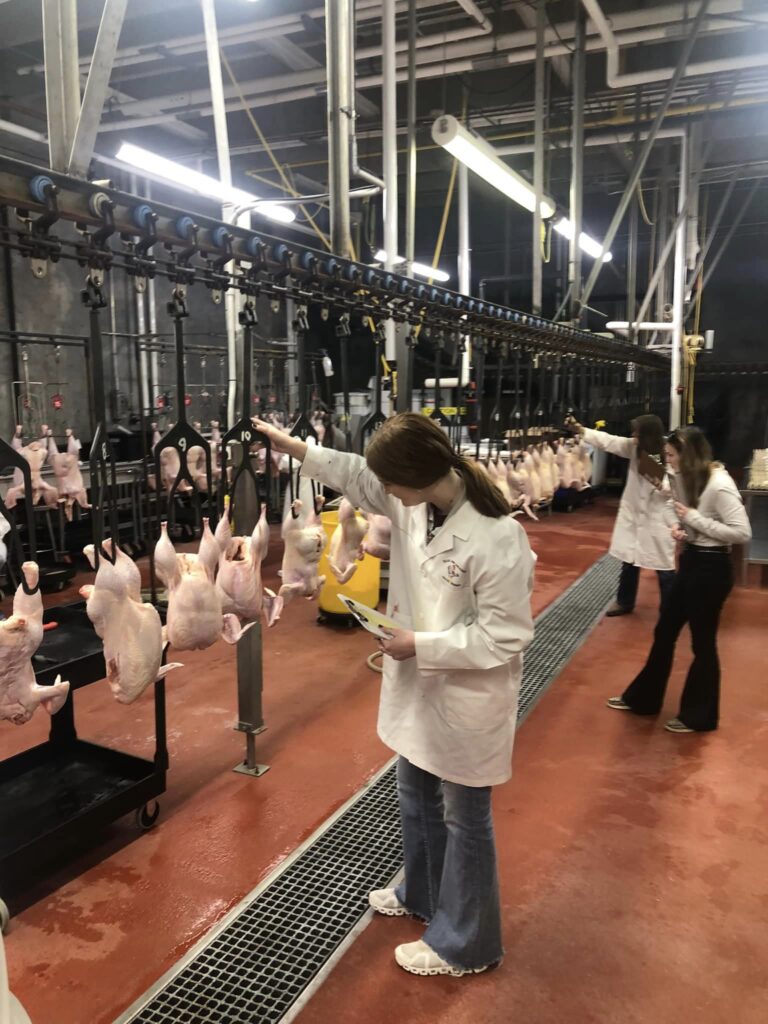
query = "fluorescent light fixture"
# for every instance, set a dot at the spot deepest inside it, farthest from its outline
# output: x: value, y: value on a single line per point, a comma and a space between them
x: 418, y: 268
x: 481, y: 157
x: 178, y: 174
x: 586, y: 243
x: 646, y: 325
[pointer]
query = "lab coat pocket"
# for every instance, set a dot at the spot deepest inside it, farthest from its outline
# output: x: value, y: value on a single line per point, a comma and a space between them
x: 472, y: 709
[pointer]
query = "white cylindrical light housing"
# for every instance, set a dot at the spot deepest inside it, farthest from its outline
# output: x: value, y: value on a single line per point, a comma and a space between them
x: 480, y: 157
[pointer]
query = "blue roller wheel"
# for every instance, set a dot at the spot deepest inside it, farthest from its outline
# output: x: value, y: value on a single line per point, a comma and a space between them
x: 253, y: 246
x: 141, y: 215
x: 38, y: 185
x: 185, y: 226
x: 220, y: 236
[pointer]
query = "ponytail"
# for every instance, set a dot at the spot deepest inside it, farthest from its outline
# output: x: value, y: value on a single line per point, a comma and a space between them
x: 482, y: 492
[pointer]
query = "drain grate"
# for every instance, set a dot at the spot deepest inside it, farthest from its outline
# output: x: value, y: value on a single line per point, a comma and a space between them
x: 258, y: 961
x: 563, y: 627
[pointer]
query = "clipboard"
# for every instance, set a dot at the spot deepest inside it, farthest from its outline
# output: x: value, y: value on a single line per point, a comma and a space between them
x: 369, y: 618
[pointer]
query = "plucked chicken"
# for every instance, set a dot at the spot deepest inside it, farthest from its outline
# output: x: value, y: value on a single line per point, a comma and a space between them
x: 304, y: 539
x: 20, y: 636
x: 195, y: 619
x: 131, y: 630
x: 378, y: 539
x: 35, y: 453
x: 66, y: 469
x: 346, y: 547
x: 239, y: 578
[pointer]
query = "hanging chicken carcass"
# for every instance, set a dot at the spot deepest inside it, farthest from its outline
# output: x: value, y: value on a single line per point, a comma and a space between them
x: 66, y: 469
x: 20, y: 636
x: 131, y: 630
x: 195, y: 618
x: 35, y: 453
x: 346, y: 547
x: 304, y: 539
x: 239, y: 578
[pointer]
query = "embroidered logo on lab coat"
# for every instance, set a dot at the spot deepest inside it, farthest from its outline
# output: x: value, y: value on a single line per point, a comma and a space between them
x: 453, y: 574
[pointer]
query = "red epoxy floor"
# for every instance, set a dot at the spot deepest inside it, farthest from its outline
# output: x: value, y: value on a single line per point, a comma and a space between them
x: 98, y: 933
x: 633, y: 861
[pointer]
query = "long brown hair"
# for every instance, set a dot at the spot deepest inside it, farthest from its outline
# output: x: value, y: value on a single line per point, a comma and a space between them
x: 412, y: 451
x: 695, y: 460
x: 650, y: 434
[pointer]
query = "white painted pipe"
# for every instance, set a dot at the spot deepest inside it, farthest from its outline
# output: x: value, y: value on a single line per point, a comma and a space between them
x: 678, y: 289
x: 389, y: 135
x: 225, y: 176
x: 645, y: 325
x: 474, y: 12
x: 445, y: 382
x: 512, y: 48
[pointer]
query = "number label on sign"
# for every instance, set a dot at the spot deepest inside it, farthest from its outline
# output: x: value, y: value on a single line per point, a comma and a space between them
x: 246, y: 436
x: 104, y: 451
x: 183, y: 443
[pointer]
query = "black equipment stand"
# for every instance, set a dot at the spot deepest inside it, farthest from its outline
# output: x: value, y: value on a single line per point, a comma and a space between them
x: 245, y: 502
x: 65, y: 791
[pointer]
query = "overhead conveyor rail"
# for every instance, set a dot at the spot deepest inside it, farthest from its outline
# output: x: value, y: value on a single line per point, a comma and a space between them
x: 280, y: 268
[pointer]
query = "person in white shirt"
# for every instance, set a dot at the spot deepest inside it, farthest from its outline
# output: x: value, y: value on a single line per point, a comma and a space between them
x: 711, y: 517
x: 461, y: 576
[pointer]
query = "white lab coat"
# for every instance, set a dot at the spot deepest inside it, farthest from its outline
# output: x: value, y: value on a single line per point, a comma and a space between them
x: 452, y: 709
x: 642, y: 533
x: 11, y: 1010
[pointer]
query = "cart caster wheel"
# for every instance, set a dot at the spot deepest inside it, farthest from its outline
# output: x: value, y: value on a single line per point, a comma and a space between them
x: 5, y: 916
x: 146, y: 818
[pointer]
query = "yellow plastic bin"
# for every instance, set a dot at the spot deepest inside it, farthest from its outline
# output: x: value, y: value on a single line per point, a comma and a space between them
x: 364, y: 586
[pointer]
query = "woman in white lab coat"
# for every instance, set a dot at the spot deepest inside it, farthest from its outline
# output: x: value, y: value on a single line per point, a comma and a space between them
x: 461, y: 575
x: 641, y: 536
x: 710, y: 518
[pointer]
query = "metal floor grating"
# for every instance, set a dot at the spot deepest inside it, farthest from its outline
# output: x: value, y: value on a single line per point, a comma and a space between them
x: 256, y: 964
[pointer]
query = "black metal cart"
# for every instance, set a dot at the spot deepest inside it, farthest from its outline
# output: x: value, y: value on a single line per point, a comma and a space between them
x: 63, y: 791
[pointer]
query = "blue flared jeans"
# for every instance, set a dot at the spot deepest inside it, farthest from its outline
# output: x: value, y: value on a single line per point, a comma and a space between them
x: 451, y: 879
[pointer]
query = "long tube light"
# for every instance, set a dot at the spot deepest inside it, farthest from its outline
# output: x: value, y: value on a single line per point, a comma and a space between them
x: 586, y: 243
x: 645, y: 325
x: 177, y: 174
x: 481, y: 157
x: 421, y: 269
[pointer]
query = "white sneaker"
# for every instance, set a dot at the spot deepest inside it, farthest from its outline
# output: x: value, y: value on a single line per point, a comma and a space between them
x: 419, y: 958
x: 384, y: 901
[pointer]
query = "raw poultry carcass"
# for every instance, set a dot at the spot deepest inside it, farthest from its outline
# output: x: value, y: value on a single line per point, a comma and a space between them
x: 131, y: 630
x: 534, y: 479
x: 378, y: 539
x: 566, y: 466
x: 346, y: 547
x: 304, y: 539
x: 5, y: 527
x: 66, y: 469
x: 548, y: 472
x: 584, y: 458
x: 35, y: 453
x: 239, y: 579
x: 20, y: 636
x: 195, y: 619
x: 520, y: 488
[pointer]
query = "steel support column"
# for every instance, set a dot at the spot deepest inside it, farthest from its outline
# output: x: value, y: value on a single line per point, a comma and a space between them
x: 678, y: 286
x: 96, y: 86
x: 410, y: 206
x: 389, y: 127
x: 639, y: 167
x: 225, y: 176
x: 538, y: 161
x: 711, y: 235
x: 339, y: 53
x: 62, y: 78
x: 577, y: 165
x: 465, y: 261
